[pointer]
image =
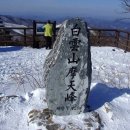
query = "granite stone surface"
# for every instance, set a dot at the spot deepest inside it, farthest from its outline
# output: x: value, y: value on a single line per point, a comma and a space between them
x: 67, y: 70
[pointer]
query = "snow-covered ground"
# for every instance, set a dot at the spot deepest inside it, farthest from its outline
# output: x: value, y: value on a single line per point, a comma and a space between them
x: 21, y: 73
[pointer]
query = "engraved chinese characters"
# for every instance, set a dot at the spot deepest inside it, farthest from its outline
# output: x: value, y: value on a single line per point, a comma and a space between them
x: 74, y: 47
x: 68, y: 69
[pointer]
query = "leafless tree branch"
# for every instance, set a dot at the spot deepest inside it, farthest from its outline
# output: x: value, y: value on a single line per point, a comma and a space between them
x: 126, y: 5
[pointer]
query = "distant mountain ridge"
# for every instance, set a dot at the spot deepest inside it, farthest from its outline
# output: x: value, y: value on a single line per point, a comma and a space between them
x: 103, y: 23
x: 110, y: 24
x: 15, y: 20
x: 92, y: 22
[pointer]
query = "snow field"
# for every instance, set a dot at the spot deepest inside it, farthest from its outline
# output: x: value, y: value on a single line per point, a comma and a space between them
x: 21, y: 71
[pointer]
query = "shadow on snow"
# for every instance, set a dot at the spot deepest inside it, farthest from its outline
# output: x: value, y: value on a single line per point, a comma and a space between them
x: 11, y: 48
x: 101, y: 94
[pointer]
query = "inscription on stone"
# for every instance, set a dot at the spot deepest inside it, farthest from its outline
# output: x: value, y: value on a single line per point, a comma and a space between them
x: 67, y: 72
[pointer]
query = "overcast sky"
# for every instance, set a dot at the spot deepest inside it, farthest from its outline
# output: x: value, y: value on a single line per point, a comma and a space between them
x: 61, y: 8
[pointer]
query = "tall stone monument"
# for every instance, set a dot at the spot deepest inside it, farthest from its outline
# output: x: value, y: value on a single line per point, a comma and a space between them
x: 67, y: 72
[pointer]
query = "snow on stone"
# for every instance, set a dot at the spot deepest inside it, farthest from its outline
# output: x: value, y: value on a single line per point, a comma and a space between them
x: 14, y: 112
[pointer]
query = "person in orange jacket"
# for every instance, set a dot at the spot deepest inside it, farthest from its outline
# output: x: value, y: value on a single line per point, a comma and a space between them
x: 48, y: 33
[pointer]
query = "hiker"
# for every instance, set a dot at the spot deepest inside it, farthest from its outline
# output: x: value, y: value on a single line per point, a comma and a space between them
x: 48, y: 32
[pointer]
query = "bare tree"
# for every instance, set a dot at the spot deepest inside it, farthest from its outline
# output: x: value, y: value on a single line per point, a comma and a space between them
x: 126, y: 5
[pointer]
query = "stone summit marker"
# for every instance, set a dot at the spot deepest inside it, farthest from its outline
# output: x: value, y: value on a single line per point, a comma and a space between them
x: 67, y: 72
